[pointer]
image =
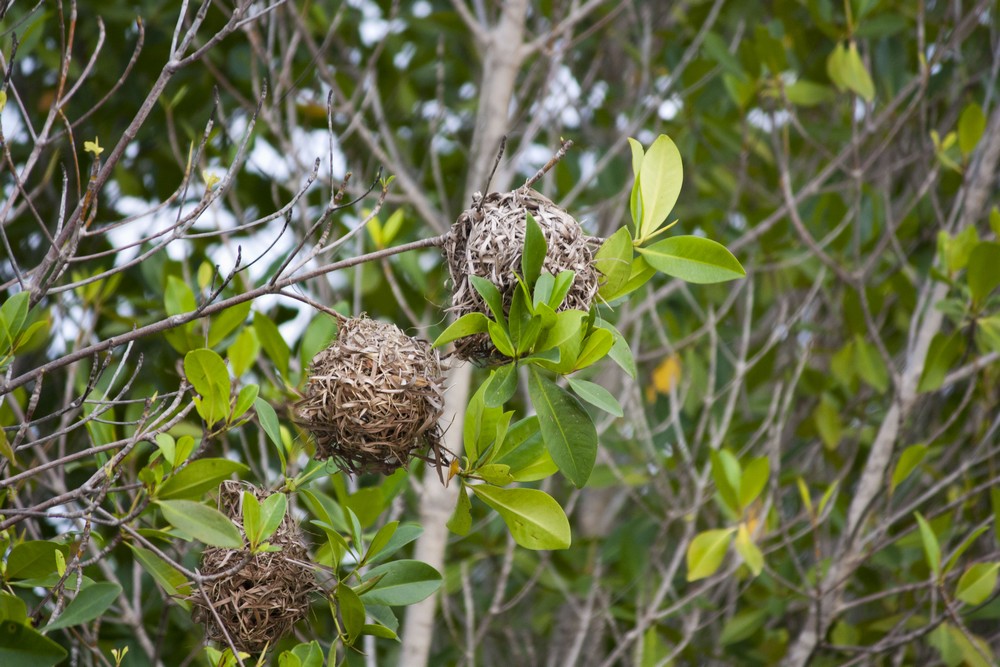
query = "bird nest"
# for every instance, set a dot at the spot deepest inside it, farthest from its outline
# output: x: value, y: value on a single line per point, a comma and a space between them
x: 487, y: 240
x: 259, y: 603
x: 373, y: 399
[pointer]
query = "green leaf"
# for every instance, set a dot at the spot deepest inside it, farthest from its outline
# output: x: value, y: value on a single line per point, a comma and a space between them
x: 743, y: 625
x: 380, y: 540
x: 13, y: 313
x: 753, y: 480
x: 911, y: 457
x: 983, y: 270
x: 614, y: 260
x: 827, y: 419
x: 660, y: 180
x: 847, y: 71
x: 466, y: 325
x: 568, y: 431
x: 635, y: 198
x: 199, y: 476
x: 35, y: 558
x: 207, y: 373
x: 203, y: 523
x: 268, y: 419
x: 534, y: 252
x: 596, y: 395
x: 178, y: 297
x: 560, y: 288
x: 500, y: 338
x: 401, y: 582
x: 244, y: 400
x: 272, y: 513
x: 273, y: 342
x: 977, y: 583
x: 568, y: 323
x: 320, y: 332
x: 491, y: 295
x: 808, y: 93
x: 461, y: 519
x: 620, y: 352
x: 12, y: 608
x: 726, y: 473
x: 479, y: 426
x: 595, y: 347
x: 89, y: 603
x: 244, y: 351
x: 226, y: 322
x: 694, y: 259
x: 932, y: 550
x: 748, y: 551
x: 534, y: 518
x: 870, y: 366
x: 352, y: 612
x: 971, y: 125
x: 173, y: 582
x: 706, y: 551
x: 962, y: 548
x: 945, y: 350
x: 23, y: 646
x: 251, y: 519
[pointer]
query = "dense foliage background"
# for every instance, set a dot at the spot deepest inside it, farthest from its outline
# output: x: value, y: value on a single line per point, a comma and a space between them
x: 807, y: 466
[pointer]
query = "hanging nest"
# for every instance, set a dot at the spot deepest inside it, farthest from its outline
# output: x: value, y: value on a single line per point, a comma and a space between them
x: 373, y: 399
x: 488, y: 240
x: 259, y: 604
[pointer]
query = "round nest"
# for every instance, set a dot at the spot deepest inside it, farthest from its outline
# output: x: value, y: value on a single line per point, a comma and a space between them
x: 259, y: 604
x: 487, y: 240
x: 373, y: 399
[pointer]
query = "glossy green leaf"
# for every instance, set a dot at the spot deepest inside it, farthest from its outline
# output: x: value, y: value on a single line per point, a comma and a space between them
x: 23, y: 646
x: 272, y: 513
x: 199, y: 476
x: 534, y: 252
x: 90, y: 602
x: 466, y: 325
x: 251, y: 519
x: 12, y: 608
x: 962, y: 548
x: 500, y: 338
x: 911, y: 457
x: 203, y: 523
x: 491, y: 295
x: 596, y: 395
x: 614, y: 260
x: 401, y: 582
x: 977, y: 583
x: 639, y: 274
x: 244, y: 400
x: 501, y: 385
x: 660, y: 180
x: 706, y: 552
x: 694, y: 259
x: 534, y: 518
x: 595, y: 347
x: 620, y: 352
x: 560, y: 288
x: 567, y: 429
x: 932, y: 549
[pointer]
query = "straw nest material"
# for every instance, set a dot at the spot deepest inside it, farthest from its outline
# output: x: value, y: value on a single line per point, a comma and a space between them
x: 487, y: 240
x: 258, y: 604
x: 373, y: 399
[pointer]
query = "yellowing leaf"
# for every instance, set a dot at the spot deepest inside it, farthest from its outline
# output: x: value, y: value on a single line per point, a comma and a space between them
x: 93, y: 147
x: 665, y: 376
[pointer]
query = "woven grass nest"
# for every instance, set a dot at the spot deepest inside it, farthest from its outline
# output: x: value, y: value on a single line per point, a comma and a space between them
x: 487, y: 240
x: 259, y: 604
x: 373, y: 399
